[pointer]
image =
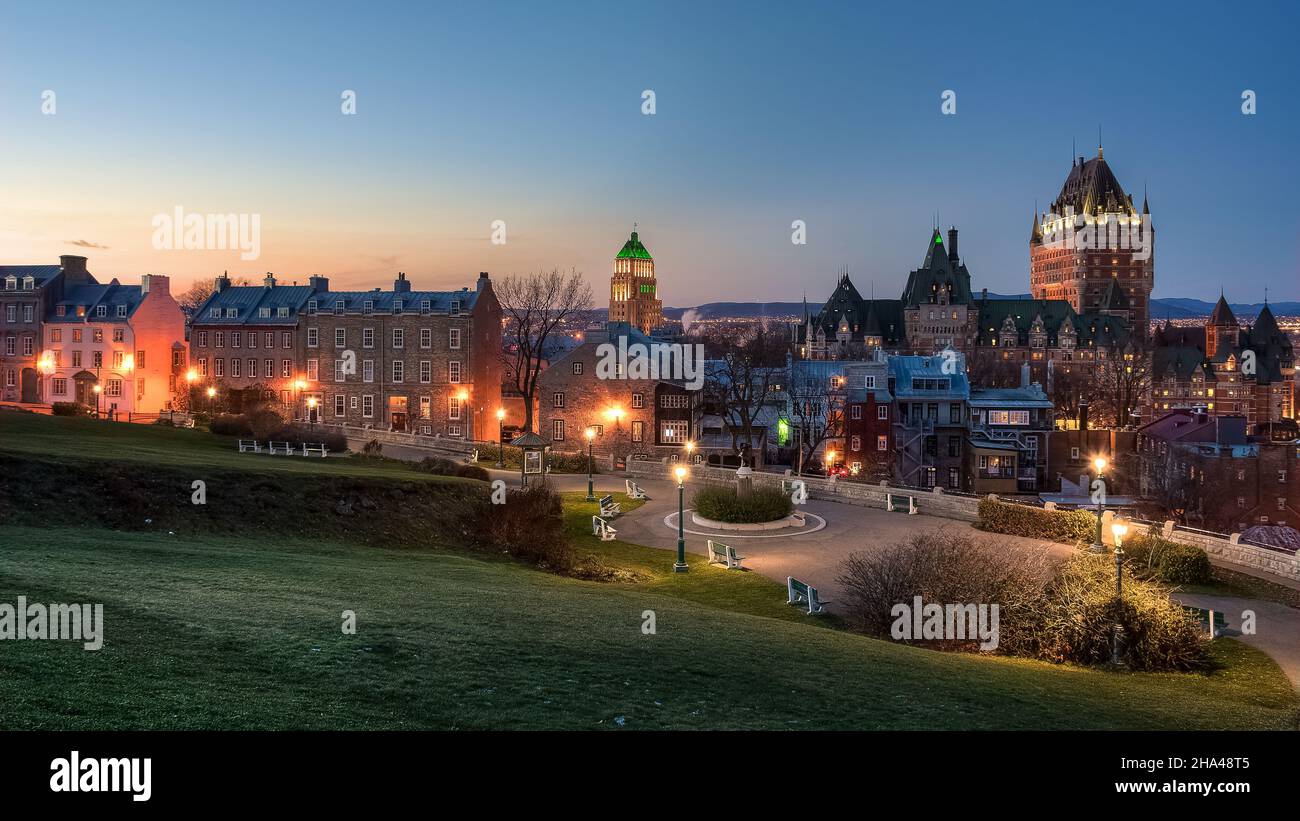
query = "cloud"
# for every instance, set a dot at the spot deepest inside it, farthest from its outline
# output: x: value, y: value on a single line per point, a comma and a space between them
x: 82, y: 243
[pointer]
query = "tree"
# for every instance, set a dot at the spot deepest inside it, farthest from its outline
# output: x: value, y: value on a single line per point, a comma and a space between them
x: 536, y: 305
x: 817, y: 411
x: 1123, y: 380
x: 744, y: 374
x: 200, y: 290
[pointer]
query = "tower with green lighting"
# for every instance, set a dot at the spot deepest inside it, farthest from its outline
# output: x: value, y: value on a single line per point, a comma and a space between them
x: 633, y: 291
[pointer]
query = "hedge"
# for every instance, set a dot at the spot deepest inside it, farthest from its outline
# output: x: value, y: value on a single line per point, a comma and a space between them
x: 764, y: 504
x: 1173, y: 562
x: 1037, y: 523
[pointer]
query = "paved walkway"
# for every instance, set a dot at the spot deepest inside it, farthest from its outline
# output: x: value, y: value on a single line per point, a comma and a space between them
x: 816, y: 557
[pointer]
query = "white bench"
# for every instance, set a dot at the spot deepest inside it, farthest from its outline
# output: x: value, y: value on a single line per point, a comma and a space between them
x: 896, y: 503
x: 720, y: 553
x: 279, y: 448
x: 804, y: 593
x: 601, y: 528
x: 317, y: 449
x: 472, y: 458
x: 634, y: 490
x: 608, y: 507
x: 246, y: 446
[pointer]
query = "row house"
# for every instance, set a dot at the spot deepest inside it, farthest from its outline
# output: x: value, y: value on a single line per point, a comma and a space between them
x: 117, y: 348
x: 426, y: 362
x: 584, y: 390
x: 930, y: 430
x: 26, y: 294
x: 1008, y: 444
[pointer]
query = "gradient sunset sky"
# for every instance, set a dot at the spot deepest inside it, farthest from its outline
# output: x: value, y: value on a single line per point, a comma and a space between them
x: 766, y: 113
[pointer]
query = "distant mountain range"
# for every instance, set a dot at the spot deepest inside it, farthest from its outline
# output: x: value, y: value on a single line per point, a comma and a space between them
x: 1171, y: 308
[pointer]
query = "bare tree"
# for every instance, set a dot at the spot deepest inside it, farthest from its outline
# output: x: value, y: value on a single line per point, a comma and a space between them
x: 744, y: 374
x: 1123, y: 381
x: 200, y: 290
x: 817, y: 412
x: 536, y: 305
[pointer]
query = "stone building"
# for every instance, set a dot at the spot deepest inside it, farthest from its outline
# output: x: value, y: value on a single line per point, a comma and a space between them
x: 633, y: 289
x: 26, y: 294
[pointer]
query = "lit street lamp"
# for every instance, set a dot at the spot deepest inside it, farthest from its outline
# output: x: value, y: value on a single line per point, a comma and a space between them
x: 311, y: 411
x: 98, y: 390
x: 590, y: 433
x: 212, y: 393
x: 680, y: 567
x: 1118, y: 529
x: 690, y: 448
x: 1099, y: 496
x: 501, y: 437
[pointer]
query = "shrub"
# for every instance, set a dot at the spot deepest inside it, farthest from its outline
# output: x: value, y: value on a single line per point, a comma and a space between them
x: 373, y: 448
x: 530, y: 526
x: 333, y: 441
x: 1036, y: 523
x: 1150, y: 556
x: 446, y: 467
x: 69, y: 409
x: 229, y: 424
x: 265, y: 423
x: 1065, y: 614
x: 721, y: 504
x: 558, y: 462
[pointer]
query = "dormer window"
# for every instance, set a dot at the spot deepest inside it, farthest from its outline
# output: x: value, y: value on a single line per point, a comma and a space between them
x: 264, y: 313
x: 29, y: 284
x: 232, y: 312
x: 11, y: 283
x: 216, y: 312
x: 425, y: 306
x: 121, y: 310
x: 455, y: 306
x: 368, y: 306
x: 101, y: 310
x: 283, y: 311
x: 397, y: 306
x: 311, y: 307
x: 60, y: 310
x: 338, y: 307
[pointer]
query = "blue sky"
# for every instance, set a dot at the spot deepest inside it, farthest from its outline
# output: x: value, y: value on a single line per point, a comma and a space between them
x: 766, y: 113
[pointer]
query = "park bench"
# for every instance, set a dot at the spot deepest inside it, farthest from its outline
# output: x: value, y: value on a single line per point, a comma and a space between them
x: 247, y: 446
x: 634, y: 490
x: 801, y: 593
x: 601, y: 528
x: 720, y: 553
x: 609, y: 507
x: 314, y: 449
x: 1208, y: 617
x: 897, y: 503
x: 279, y: 448
x: 472, y: 458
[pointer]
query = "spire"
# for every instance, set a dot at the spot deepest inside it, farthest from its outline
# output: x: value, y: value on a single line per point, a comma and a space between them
x: 1222, y: 315
x: 1099, y: 154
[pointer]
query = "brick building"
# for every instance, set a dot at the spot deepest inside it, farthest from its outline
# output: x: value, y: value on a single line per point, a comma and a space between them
x: 26, y: 294
x: 1009, y: 442
x: 930, y: 427
x: 633, y: 288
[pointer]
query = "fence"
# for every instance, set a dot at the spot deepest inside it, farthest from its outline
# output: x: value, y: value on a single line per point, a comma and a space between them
x: 1225, y: 548
x: 435, y: 442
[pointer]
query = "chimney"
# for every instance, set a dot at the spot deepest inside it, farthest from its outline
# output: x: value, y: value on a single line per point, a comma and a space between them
x: 320, y: 285
x: 222, y: 283
x: 72, y: 264
x: 483, y: 281
x: 1083, y: 415
x: 401, y: 285
x: 269, y: 280
x: 155, y: 284
x: 952, y: 244
x: 1024, y: 375
x: 984, y: 294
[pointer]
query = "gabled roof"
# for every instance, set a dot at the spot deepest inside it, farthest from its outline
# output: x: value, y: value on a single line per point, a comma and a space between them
x: 938, y: 273
x: 1222, y: 313
x: 85, y: 299
x: 865, y: 317
x: 40, y: 274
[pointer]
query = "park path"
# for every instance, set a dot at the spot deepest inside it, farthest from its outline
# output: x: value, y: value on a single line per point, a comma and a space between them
x: 815, y: 557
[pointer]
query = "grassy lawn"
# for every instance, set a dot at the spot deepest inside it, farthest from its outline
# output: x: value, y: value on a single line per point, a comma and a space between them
x: 64, y: 438
x: 1232, y: 583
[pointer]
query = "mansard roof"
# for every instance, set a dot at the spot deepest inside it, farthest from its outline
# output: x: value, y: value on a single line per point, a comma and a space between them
x: 1092, y: 329
x: 89, y: 297
x: 865, y: 317
x: 937, y: 273
x: 1092, y: 186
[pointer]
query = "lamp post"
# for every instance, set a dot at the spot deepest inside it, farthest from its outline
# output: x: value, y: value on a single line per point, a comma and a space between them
x: 298, y: 385
x: 690, y: 449
x: 830, y: 461
x: 680, y: 567
x: 1099, y: 496
x: 501, y: 437
x: 190, y: 377
x: 1118, y: 529
x: 98, y: 390
x: 212, y: 393
x: 311, y: 412
x: 590, y: 433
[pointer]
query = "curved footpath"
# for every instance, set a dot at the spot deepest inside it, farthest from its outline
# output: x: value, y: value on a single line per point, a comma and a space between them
x: 815, y: 557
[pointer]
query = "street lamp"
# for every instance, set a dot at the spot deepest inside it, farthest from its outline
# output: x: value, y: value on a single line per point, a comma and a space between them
x: 98, y: 390
x: 680, y: 567
x: 690, y: 448
x: 212, y: 393
x: 311, y: 411
x: 501, y: 437
x: 590, y: 433
x: 830, y: 461
x: 1118, y: 528
x: 1099, y: 497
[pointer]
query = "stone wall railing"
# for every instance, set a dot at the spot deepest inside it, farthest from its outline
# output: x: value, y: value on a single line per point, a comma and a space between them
x: 1220, y: 548
x: 442, y: 445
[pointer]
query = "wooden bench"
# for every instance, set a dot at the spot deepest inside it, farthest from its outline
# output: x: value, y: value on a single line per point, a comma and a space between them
x: 634, y: 490
x: 609, y: 507
x: 601, y: 528
x: 720, y: 553
x: 1208, y: 618
x: 804, y: 593
x: 279, y: 448
x: 315, y: 449
x: 246, y: 446
x: 896, y: 503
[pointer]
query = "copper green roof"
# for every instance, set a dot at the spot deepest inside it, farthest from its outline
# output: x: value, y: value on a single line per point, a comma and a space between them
x: 633, y: 249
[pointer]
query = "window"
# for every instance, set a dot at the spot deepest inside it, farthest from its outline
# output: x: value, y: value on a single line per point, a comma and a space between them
x: 96, y: 359
x: 454, y: 341
x: 29, y: 343
x: 56, y: 335
x: 313, y: 369
x: 453, y: 372
x: 368, y: 371
x: 426, y: 407
x: 954, y: 478
x: 1074, y: 454
x: 101, y: 310
x: 264, y: 313
x: 954, y: 413
x: 557, y: 430
x: 203, y: 339
x: 236, y: 367
x: 312, y: 337
x: 399, y: 338
x: 270, y: 339
x: 203, y: 364
x: 425, y: 306
x: 311, y: 307
x: 1281, y: 503
x: 954, y: 446
x: 675, y: 401
x: 367, y: 306
x: 869, y: 381
x: 453, y: 408
x: 113, y: 388
x: 338, y: 307
x: 121, y: 311
x: 286, y: 368
x: 676, y: 431
x: 252, y: 369
x: 426, y: 371
x: 368, y: 406
x: 1241, y: 501
x: 118, y: 359
x: 268, y: 367
x: 1281, y: 476
x: 397, y: 306
x: 855, y: 443
x: 234, y: 338
x: 856, y: 413
x: 455, y: 307
x: 882, y: 443
x: 76, y: 360
x: 638, y: 400
x: 557, y: 400
x: 1001, y: 417
x: 426, y: 338
x: 577, y: 369
x: 60, y: 387
x: 399, y: 370
x: 340, y: 405
x: 339, y: 376
x: 340, y: 337
x: 119, y: 335
x: 882, y: 411
x: 367, y: 337
x: 286, y: 339
x: 252, y: 339
x: 638, y: 430
x: 218, y: 339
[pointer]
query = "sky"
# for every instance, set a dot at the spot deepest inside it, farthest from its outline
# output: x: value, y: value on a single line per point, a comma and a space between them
x: 532, y: 114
